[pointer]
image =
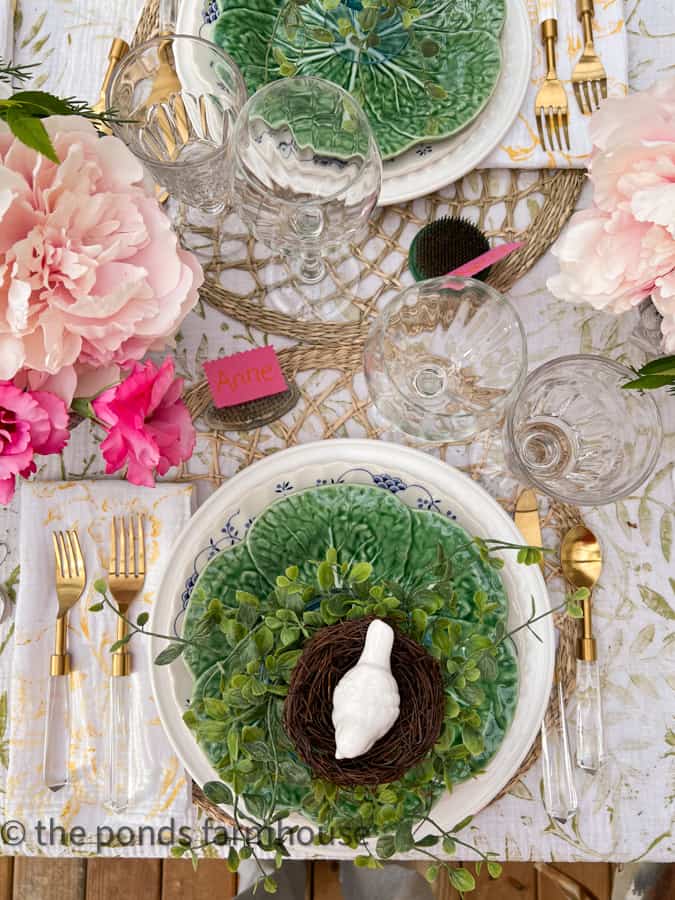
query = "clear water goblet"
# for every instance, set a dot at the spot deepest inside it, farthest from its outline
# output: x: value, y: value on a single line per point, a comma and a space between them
x: 575, y: 434
x: 306, y: 176
x: 445, y: 358
x: 177, y: 97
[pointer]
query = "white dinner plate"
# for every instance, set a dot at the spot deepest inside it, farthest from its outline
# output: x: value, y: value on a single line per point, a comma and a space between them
x: 418, y: 480
x: 429, y: 166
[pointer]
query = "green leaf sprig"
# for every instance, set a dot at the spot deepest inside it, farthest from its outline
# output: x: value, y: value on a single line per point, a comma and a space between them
x: 655, y: 374
x: 24, y: 111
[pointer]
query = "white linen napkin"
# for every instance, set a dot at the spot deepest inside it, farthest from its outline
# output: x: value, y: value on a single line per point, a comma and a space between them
x: 164, y: 797
x: 520, y: 148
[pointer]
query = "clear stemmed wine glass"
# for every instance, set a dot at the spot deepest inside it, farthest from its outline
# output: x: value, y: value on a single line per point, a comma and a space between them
x: 306, y: 176
x: 445, y: 358
x: 575, y: 434
x: 177, y: 97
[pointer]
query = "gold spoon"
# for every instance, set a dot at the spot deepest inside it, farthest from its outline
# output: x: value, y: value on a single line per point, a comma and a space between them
x: 581, y: 558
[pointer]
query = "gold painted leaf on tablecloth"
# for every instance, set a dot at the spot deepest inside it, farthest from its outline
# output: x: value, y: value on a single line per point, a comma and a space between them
x: 643, y: 640
x: 8, y: 638
x: 656, y: 602
x: 520, y: 790
x: 645, y: 520
x: 666, y: 534
x: 644, y: 685
x: 623, y: 518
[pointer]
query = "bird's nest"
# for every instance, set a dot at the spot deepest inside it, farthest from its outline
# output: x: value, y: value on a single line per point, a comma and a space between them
x: 309, y: 705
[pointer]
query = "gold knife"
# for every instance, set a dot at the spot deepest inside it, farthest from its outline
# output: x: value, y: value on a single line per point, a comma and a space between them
x: 526, y: 518
x: 560, y: 795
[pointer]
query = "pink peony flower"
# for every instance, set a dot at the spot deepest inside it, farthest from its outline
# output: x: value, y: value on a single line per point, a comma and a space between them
x: 91, y: 273
x: 30, y: 423
x: 621, y: 251
x: 149, y: 426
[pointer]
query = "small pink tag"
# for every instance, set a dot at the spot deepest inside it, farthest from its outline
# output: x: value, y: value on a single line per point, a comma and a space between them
x: 245, y: 376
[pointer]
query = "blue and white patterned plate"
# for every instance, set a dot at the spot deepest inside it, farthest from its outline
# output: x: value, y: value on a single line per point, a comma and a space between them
x: 419, y: 481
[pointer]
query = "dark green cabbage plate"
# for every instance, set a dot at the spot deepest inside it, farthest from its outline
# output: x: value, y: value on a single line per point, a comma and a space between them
x: 421, y: 73
x: 302, y: 567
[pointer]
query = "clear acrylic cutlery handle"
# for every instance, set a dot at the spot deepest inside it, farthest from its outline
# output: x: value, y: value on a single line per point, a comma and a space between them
x: 560, y: 794
x: 168, y: 14
x: 590, y: 731
x: 56, y: 757
x: 547, y: 9
x: 119, y: 744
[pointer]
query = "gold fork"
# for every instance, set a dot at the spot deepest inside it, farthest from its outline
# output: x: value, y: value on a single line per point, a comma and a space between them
x: 550, y: 105
x: 70, y: 578
x: 126, y: 577
x: 589, y: 78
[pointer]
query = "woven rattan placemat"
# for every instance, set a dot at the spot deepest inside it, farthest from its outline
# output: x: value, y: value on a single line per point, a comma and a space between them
x: 528, y: 206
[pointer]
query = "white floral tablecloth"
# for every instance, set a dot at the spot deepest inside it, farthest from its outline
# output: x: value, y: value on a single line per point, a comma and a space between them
x: 626, y: 811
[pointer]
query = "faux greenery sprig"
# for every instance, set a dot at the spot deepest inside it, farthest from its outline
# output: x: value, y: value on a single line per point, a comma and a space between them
x: 240, y: 710
x: 656, y: 374
x: 24, y: 110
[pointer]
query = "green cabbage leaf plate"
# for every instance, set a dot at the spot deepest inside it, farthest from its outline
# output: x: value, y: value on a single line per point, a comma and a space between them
x: 420, y: 75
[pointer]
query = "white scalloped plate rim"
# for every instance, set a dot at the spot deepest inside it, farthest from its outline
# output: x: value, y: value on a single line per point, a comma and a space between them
x: 255, y: 488
x: 415, y: 174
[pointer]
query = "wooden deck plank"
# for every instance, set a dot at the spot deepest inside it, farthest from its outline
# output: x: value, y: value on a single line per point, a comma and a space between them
x: 326, y: 880
x: 210, y: 881
x: 594, y: 880
x: 6, y: 877
x: 123, y: 879
x: 40, y: 878
x: 518, y: 882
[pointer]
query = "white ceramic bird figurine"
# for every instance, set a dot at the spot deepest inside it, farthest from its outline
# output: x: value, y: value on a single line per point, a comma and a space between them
x: 366, y: 700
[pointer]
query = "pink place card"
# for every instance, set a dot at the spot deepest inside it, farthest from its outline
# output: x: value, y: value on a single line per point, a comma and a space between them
x: 245, y: 376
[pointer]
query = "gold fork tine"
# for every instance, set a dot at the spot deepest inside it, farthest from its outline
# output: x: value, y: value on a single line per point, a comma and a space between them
x: 540, y: 130
x: 556, y: 115
x: 603, y: 88
x: 122, y: 555
x: 587, y: 96
x: 141, y: 544
x: 79, y: 559
x: 131, y: 551
x: 567, y: 131
x: 596, y: 93
x: 64, y: 556
x: 58, y: 563
x: 112, y: 562
x: 72, y: 556
x: 579, y: 96
x: 549, y: 132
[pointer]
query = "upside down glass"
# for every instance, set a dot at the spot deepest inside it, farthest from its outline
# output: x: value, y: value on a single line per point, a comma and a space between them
x: 306, y: 176
x: 445, y: 358
x: 179, y: 97
x: 575, y: 434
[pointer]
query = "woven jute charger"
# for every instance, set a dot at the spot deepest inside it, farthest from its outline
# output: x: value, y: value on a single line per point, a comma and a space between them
x: 531, y: 207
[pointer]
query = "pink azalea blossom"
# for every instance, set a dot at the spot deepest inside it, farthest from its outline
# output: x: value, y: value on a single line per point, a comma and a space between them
x: 91, y: 274
x: 30, y: 423
x: 149, y: 426
x: 622, y: 250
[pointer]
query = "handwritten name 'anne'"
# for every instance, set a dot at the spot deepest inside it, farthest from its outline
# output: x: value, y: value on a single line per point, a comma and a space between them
x: 252, y: 374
